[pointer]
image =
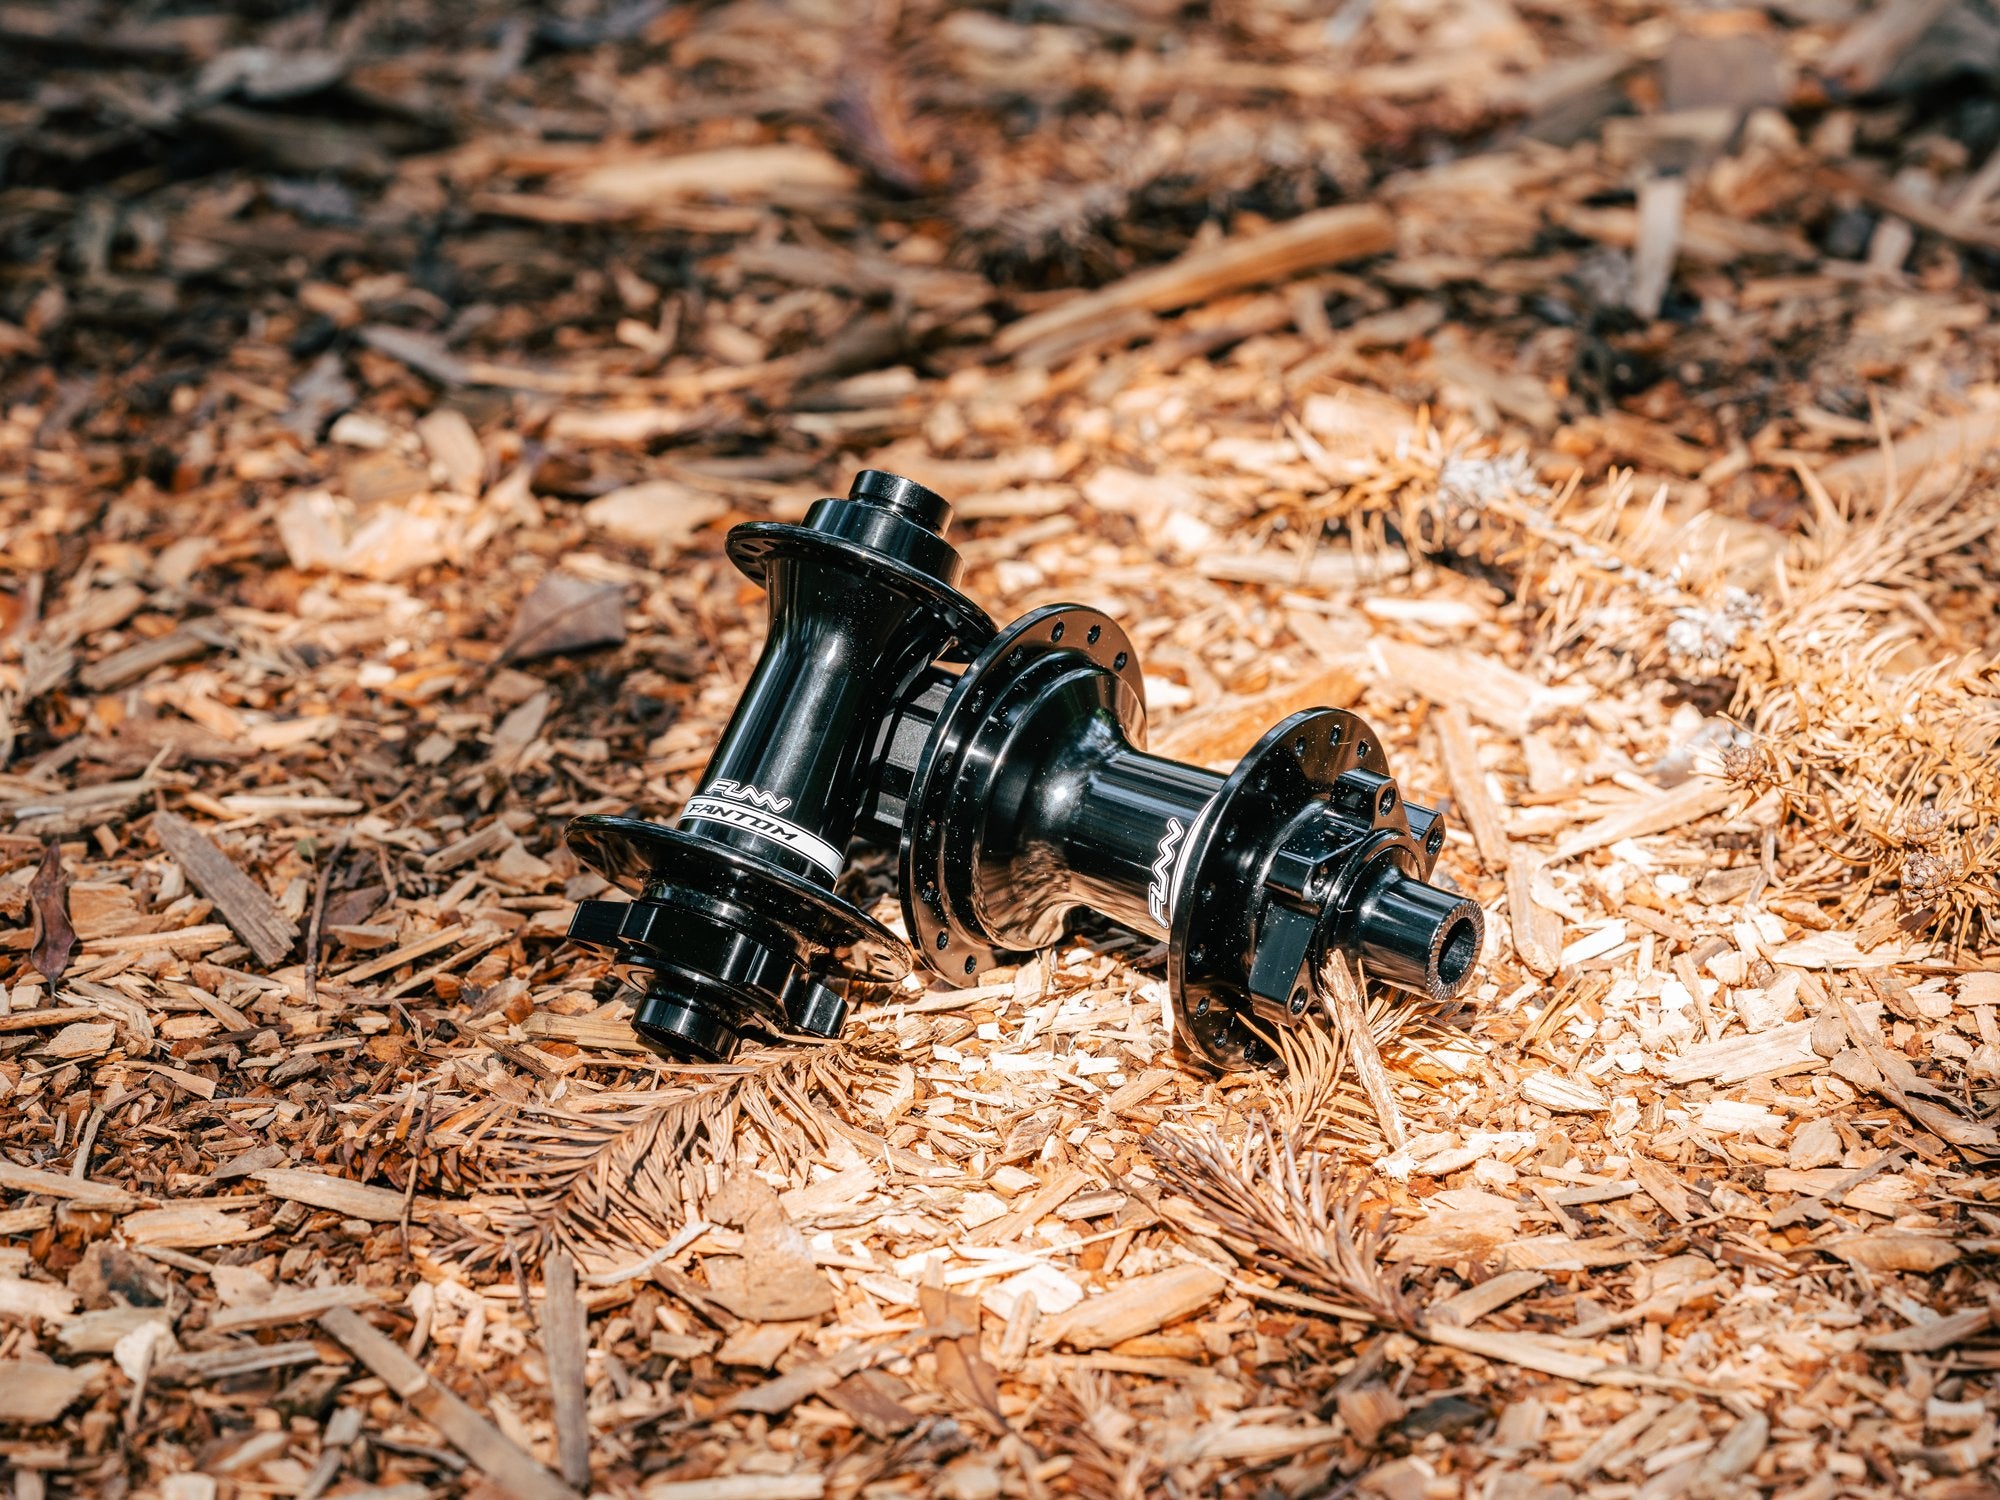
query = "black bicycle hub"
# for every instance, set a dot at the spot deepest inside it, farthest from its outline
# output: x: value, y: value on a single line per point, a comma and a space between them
x: 1017, y: 793
x: 734, y: 926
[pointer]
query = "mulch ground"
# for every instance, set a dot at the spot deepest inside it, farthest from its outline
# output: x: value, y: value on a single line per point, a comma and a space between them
x: 1601, y: 400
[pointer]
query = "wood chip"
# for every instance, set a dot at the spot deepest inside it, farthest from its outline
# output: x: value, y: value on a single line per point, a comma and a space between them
x: 34, y: 1392
x: 490, y: 1451
x: 1537, y: 931
x: 1469, y: 1306
x: 189, y: 1226
x: 1328, y: 237
x: 1340, y: 995
x: 251, y: 914
x: 101, y: 1195
x: 564, y: 1338
x: 290, y: 1305
x: 1468, y: 785
x: 352, y: 1200
x: 1688, y: 803
x: 1137, y: 1306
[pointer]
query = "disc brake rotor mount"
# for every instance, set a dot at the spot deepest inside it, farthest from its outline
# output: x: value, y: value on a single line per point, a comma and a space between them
x: 734, y: 927
x: 1016, y: 792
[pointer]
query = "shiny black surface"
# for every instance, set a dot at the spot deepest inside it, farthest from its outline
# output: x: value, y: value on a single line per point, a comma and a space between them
x: 983, y: 852
x: 735, y: 928
x: 1023, y: 795
x: 841, y: 649
x: 1413, y: 934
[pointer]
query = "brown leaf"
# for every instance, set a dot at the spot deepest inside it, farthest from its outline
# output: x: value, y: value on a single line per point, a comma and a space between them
x: 55, y: 939
x: 566, y: 613
x: 961, y: 1368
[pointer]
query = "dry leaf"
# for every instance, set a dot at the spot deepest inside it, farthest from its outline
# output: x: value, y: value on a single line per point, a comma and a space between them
x: 566, y: 613
x: 55, y: 939
x: 774, y: 1279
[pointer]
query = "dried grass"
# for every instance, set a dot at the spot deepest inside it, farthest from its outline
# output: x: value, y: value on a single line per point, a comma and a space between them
x: 1873, y: 729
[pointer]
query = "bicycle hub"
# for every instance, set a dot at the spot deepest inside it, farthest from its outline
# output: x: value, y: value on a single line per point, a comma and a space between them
x: 734, y: 926
x: 1016, y: 793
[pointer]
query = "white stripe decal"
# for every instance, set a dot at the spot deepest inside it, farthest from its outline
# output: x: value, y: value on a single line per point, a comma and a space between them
x: 765, y: 825
x: 1163, y: 871
x: 1181, y: 858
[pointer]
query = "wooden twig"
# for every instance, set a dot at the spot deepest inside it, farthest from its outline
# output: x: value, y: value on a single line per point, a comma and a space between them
x: 490, y: 1450
x: 563, y: 1342
x: 1340, y: 993
x: 316, y: 926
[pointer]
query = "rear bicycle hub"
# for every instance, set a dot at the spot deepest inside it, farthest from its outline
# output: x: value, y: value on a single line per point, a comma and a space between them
x: 1023, y: 795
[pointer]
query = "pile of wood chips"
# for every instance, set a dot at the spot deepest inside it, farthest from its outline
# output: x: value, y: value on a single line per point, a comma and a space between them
x: 1600, y: 399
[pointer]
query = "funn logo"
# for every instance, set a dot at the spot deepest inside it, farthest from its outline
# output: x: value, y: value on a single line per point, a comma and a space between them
x: 740, y: 792
x: 1163, y: 869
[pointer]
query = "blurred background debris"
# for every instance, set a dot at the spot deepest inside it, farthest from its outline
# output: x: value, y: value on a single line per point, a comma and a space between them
x: 1601, y: 398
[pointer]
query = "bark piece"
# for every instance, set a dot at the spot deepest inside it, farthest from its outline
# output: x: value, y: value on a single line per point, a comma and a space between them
x: 564, y: 1335
x: 1138, y: 1306
x: 490, y: 1450
x: 1325, y: 238
x: 135, y: 662
x: 962, y: 1369
x: 774, y: 1280
x: 251, y: 914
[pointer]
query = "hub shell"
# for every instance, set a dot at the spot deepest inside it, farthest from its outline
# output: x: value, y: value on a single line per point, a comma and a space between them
x: 734, y: 927
x: 1017, y: 793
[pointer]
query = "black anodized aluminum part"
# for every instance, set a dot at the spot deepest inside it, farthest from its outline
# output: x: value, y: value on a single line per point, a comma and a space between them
x: 734, y: 927
x: 1018, y: 792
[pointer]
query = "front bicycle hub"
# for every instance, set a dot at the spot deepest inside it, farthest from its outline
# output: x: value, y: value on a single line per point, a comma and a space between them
x: 734, y: 927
